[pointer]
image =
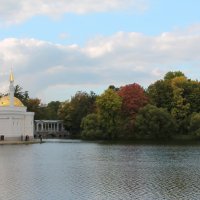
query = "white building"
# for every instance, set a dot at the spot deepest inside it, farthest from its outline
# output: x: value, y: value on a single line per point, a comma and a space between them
x: 15, y: 122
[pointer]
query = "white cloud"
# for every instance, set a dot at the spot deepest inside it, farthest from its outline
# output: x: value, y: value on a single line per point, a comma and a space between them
x: 53, y: 72
x: 12, y: 11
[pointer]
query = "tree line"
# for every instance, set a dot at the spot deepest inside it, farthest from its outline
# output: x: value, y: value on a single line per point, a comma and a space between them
x: 168, y: 108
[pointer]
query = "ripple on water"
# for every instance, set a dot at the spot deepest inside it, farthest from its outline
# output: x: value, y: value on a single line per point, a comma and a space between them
x: 89, y: 171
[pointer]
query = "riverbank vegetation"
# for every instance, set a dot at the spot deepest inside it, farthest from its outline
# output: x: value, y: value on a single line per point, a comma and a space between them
x: 168, y: 108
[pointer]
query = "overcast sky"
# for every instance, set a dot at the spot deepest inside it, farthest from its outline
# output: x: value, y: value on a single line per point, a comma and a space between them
x: 58, y: 47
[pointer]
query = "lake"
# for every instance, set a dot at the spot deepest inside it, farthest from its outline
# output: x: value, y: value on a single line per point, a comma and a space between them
x: 73, y: 170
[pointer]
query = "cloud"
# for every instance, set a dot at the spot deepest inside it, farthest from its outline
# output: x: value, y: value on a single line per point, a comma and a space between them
x: 12, y: 12
x: 54, y: 72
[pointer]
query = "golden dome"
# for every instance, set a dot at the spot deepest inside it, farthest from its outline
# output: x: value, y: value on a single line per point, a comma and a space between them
x: 5, y: 101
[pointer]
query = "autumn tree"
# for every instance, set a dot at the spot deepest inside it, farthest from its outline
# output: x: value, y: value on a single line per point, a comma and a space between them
x: 133, y: 98
x: 109, y: 106
x: 161, y: 93
x: 181, y: 107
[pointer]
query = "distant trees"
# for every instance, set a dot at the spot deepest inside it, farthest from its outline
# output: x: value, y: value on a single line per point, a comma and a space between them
x: 173, y: 109
x: 168, y: 107
x: 115, y: 112
x: 179, y: 95
x: 49, y: 111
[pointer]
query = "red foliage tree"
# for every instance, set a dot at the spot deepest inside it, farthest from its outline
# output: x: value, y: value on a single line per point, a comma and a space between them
x: 133, y: 98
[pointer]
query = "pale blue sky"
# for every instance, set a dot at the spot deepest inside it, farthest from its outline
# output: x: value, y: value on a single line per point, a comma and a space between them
x: 59, y: 47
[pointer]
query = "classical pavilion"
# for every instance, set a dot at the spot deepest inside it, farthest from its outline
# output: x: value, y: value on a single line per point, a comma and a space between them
x: 15, y: 122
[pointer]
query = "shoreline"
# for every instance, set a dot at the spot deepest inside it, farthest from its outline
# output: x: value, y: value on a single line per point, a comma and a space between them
x: 7, y: 142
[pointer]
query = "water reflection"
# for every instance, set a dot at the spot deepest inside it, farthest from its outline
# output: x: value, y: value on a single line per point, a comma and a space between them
x: 83, y: 170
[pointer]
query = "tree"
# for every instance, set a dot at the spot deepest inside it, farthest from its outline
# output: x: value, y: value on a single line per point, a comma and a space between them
x: 109, y: 106
x: 194, y: 126
x: 133, y: 98
x: 154, y: 123
x: 52, y: 110
x: 113, y: 87
x: 34, y: 105
x: 23, y: 96
x: 191, y: 93
x: 72, y: 112
x: 161, y: 94
x: 171, y: 75
x: 64, y: 113
x: 91, y: 128
x: 181, y: 108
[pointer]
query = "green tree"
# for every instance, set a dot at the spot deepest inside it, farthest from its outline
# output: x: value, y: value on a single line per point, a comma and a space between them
x: 34, y: 105
x: 72, y: 112
x: 194, y: 126
x: 172, y: 75
x: 64, y: 113
x: 161, y: 94
x: 20, y: 94
x: 191, y: 92
x: 181, y: 108
x: 109, y: 106
x: 154, y: 123
x: 91, y: 128
x: 52, y: 110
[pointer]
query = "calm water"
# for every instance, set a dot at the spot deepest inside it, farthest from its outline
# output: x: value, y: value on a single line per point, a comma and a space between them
x: 90, y: 171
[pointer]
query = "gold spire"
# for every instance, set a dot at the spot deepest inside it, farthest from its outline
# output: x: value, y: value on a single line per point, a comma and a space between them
x: 11, y: 76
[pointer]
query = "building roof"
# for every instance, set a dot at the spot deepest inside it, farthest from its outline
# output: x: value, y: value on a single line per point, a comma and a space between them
x: 5, y: 101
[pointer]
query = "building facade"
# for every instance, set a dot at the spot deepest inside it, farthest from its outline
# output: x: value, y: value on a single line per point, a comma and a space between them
x: 15, y: 122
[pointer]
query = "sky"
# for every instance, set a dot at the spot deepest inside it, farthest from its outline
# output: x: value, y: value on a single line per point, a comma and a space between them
x: 56, y: 48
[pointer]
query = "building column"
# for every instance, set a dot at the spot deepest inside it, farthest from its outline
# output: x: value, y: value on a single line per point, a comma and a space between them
x: 57, y: 127
x: 41, y: 126
x: 36, y: 126
x: 54, y: 127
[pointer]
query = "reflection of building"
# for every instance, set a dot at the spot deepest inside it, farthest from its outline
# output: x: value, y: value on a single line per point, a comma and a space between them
x: 15, y: 122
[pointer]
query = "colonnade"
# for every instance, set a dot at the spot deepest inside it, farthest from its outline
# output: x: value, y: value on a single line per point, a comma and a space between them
x: 49, y: 126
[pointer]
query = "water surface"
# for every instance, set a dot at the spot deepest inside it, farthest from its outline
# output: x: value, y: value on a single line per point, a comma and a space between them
x: 74, y: 170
